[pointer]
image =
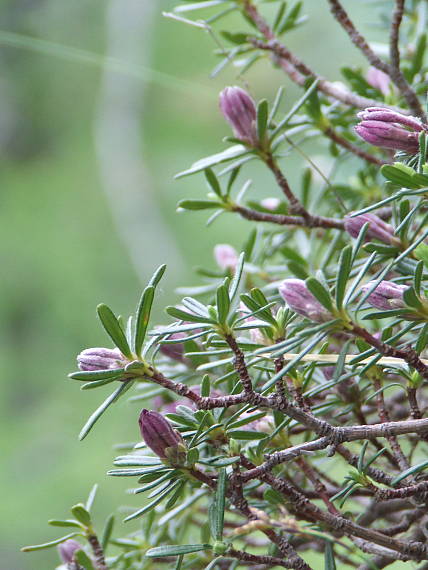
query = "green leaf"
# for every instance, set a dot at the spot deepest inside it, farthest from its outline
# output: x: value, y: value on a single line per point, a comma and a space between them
x: 49, y: 544
x: 185, y: 316
x: 81, y: 514
x: 411, y: 471
x: 142, y: 318
x: 217, y: 507
x: 245, y: 435
x: 213, y: 182
x: 113, y: 329
x: 204, y: 163
x: 223, y: 303
x: 320, y: 293
x: 107, y: 532
x: 83, y: 560
x: 422, y: 341
x: 91, y: 498
x: 345, y: 264
x: 411, y: 299
x: 205, y: 386
x: 262, y: 118
x: 234, y: 285
x: 153, y: 504
x: 399, y: 174
x: 99, y: 411
x: 329, y: 562
x: 421, y: 252
x: 176, y: 550
x: 198, y: 204
x: 96, y: 375
x: 64, y: 523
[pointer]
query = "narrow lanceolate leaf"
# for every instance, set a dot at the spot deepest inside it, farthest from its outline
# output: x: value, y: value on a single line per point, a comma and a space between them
x: 228, y: 154
x: 223, y: 303
x: 49, y: 544
x: 176, y: 550
x: 83, y: 560
x: 217, y: 506
x: 81, y: 514
x: 197, y: 204
x: 157, y: 276
x: 65, y: 523
x: 185, y: 316
x: 153, y: 504
x: 411, y: 471
x: 91, y: 497
x: 107, y: 532
x: 99, y: 411
x: 234, y: 285
x: 345, y: 263
x: 113, y: 329
x: 329, y: 562
x: 213, y: 182
x: 142, y: 318
x: 95, y: 375
x: 319, y: 292
x: 262, y: 118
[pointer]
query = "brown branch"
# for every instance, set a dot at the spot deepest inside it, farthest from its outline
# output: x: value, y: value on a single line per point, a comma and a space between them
x: 407, y: 354
x: 357, y: 39
x: 97, y: 549
x: 394, y: 50
x: 283, y: 220
x: 392, y: 69
x: 239, y: 365
x: 256, y: 559
x: 332, y: 135
x: 399, y: 456
x: 346, y: 433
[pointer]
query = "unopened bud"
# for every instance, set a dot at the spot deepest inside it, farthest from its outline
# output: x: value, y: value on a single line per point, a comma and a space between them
x: 174, y: 351
x: 100, y: 359
x: 377, y: 229
x: 379, y: 80
x: 160, y: 436
x: 239, y: 110
x: 300, y: 300
x: 225, y: 256
x: 387, y: 295
x: 386, y: 128
x: 67, y: 549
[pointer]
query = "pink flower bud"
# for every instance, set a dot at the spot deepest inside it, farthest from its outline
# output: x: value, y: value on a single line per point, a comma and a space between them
x: 379, y: 80
x: 387, y: 295
x: 239, y: 110
x: 225, y: 256
x: 158, y: 434
x: 300, y: 300
x: 100, y: 359
x: 67, y: 549
x: 386, y: 128
x: 270, y: 203
x: 378, y: 229
x: 174, y: 351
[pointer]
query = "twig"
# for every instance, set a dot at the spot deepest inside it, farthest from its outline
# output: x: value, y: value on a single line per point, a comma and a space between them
x: 98, y: 552
x: 394, y: 50
x: 283, y: 220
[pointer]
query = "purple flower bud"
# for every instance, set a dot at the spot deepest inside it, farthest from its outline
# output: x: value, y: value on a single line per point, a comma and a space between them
x: 300, y: 299
x: 100, y: 359
x: 240, y: 112
x: 270, y: 203
x: 158, y: 434
x: 379, y: 80
x: 225, y: 256
x: 174, y: 351
x: 67, y: 549
x: 387, y: 295
x: 388, y: 129
x: 378, y: 229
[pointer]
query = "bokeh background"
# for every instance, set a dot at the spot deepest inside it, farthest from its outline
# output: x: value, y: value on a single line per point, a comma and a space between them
x: 101, y: 103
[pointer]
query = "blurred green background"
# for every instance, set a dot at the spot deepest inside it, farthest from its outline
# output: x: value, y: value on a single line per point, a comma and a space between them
x: 101, y: 103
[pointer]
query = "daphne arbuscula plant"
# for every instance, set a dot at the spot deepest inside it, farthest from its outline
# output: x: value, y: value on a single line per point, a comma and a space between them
x: 284, y: 397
